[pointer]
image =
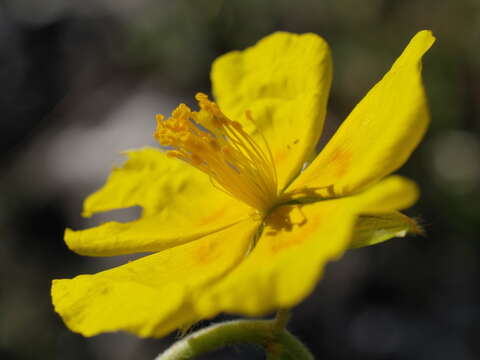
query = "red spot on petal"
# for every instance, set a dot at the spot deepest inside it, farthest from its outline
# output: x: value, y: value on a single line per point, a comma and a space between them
x: 340, y: 161
x: 206, y: 253
x: 212, y: 217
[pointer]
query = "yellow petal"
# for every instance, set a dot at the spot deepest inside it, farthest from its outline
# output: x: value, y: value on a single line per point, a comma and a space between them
x: 153, y: 181
x: 374, y: 229
x: 380, y: 133
x: 180, y: 204
x: 284, y: 80
x: 296, y: 244
x: 398, y: 193
x: 153, y: 295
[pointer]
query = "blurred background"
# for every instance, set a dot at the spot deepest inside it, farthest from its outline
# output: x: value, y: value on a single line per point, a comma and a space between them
x: 81, y: 81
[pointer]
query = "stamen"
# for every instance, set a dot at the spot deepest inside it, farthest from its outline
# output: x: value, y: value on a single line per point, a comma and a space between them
x: 221, y: 148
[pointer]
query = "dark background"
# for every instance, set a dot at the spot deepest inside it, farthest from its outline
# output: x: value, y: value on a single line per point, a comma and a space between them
x: 81, y: 81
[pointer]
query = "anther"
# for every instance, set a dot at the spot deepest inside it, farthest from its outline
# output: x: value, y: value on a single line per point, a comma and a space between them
x: 219, y: 147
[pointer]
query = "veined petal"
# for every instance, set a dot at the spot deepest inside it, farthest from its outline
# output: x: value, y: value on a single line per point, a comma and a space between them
x: 296, y: 244
x: 376, y: 228
x: 179, y: 202
x: 284, y: 80
x: 155, y: 182
x: 153, y: 295
x: 153, y: 233
x: 380, y: 133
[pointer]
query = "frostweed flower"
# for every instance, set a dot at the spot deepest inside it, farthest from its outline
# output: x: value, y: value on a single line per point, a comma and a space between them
x: 234, y: 220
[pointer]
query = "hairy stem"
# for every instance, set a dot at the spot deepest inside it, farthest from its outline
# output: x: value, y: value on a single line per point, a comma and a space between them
x: 277, y: 341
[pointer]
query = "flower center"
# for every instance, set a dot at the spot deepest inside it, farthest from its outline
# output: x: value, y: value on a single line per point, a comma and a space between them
x: 221, y: 148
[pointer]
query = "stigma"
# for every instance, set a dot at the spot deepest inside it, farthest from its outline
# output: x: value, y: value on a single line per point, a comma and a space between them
x: 222, y: 149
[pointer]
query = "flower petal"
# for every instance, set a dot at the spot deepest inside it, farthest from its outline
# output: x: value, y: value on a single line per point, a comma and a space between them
x: 397, y: 193
x: 179, y: 204
x: 153, y: 295
x: 295, y: 246
x: 377, y: 228
x: 380, y: 133
x: 284, y: 80
x: 153, y: 181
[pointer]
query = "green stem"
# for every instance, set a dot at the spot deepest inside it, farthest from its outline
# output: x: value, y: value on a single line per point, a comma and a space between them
x: 279, y: 343
x: 291, y: 348
x: 281, y: 319
x: 275, y: 351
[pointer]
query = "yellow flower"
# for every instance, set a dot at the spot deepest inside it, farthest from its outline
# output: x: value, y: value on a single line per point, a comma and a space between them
x: 237, y: 224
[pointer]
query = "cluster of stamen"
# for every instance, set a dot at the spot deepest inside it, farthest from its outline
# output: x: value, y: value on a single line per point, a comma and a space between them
x: 221, y: 148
